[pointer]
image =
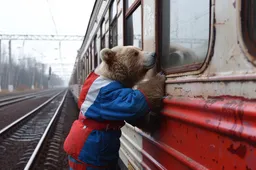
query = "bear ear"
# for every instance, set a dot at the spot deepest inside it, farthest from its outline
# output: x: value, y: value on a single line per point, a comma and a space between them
x: 107, y: 55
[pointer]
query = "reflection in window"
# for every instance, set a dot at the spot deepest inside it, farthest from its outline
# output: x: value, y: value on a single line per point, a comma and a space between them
x: 185, y: 32
x: 113, y: 34
x: 133, y: 29
x: 249, y: 25
x: 129, y: 3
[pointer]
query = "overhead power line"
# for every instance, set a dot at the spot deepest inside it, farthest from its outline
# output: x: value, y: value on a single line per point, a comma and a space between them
x: 49, y: 7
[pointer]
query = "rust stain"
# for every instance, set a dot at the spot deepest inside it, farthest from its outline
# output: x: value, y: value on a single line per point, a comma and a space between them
x: 236, y: 109
x: 239, y: 151
x: 230, y: 109
x: 209, y: 102
x: 240, y: 112
x: 247, y: 168
x: 231, y: 57
x: 219, y: 23
x: 207, y: 120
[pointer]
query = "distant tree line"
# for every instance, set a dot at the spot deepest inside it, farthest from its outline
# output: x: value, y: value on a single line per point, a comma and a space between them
x: 25, y: 73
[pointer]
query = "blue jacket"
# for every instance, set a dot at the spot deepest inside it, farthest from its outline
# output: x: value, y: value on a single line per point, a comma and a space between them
x: 103, y: 99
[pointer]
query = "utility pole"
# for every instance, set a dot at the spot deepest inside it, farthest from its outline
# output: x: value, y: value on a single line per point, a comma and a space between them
x: 49, y: 76
x: 33, y: 78
x: 10, y: 84
x: 41, y: 78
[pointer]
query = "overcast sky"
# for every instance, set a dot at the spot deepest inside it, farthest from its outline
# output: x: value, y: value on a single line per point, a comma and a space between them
x: 34, y: 17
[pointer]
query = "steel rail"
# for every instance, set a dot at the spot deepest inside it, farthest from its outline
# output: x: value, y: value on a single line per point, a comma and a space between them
x: 40, y: 143
x: 2, y: 131
x: 11, y: 98
x: 15, y: 99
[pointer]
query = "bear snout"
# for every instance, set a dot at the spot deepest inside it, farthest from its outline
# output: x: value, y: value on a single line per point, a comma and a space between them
x: 153, y: 54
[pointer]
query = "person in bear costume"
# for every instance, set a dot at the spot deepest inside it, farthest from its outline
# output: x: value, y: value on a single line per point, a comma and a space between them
x: 106, y: 100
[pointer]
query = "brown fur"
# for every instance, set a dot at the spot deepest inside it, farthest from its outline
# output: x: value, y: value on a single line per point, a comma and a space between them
x: 125, y: 64
x: 154, y: 91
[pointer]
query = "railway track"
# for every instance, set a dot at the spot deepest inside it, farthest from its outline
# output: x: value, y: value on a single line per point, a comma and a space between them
x: 21, y: 141
x: 14, y: 99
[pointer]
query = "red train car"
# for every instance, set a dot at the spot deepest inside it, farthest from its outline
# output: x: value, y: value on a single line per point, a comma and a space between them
x: 207, y: 49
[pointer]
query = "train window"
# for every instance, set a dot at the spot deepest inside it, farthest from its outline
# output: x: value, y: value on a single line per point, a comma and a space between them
x: 83, y: 69
x: 95, y: 51
x: 90, y: 58
x: 103, y: 41
x: 95, y: 44
x: 133, y: 30
x: 113, y: 25
x: 113, y: 34
x: 129, y: 3
x: 113, y: 11
x: 249, y: 25
x: 102, y: 34
x: 87, y: 63
x: 185, y: 34
x: 103, y: 26
x: 92, y: 47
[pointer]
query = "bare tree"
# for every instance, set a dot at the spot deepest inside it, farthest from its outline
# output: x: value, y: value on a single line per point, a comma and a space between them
x: 26, y: 73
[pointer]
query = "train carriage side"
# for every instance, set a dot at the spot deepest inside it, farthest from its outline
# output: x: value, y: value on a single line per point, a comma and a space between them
x: 207, y: 50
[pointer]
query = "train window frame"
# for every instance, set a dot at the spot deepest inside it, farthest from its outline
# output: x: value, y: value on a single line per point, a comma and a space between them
x: 102, y: 34
x: 127, y: 13
x: 83, y: 68
x: 248, y: 42
x: 183, y: 69
x: 132, y: 7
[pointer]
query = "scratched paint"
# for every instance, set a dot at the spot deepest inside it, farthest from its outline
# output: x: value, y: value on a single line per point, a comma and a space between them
x: 210, y: 89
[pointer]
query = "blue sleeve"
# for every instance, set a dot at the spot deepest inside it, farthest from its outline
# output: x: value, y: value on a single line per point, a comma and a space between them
x: 122, y: 104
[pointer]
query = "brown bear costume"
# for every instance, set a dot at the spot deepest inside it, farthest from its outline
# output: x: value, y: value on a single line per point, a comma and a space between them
x: 125, y: 64
x: 107, y: 99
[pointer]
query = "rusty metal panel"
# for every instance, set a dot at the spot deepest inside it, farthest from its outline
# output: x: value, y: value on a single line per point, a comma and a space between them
x: 246, y: 89
x: 131, y: 149
x: 217, y: 133
x: 75, y: 90
x: 221, y: 132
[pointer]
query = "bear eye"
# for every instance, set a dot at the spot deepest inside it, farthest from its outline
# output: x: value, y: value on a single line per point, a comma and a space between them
x: 136, y: 53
